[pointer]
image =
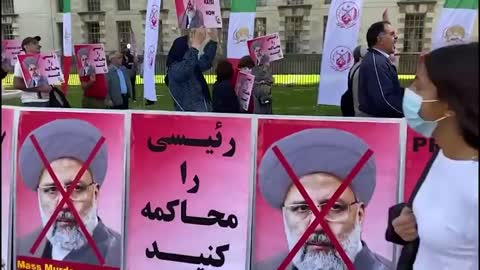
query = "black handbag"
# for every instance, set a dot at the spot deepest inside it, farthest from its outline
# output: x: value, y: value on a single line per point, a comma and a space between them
x: 57, y: 99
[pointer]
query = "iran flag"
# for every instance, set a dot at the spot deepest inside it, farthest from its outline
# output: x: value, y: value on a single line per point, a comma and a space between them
x: 455, y: 23
x: 241, y: 27
x: 67, y: 43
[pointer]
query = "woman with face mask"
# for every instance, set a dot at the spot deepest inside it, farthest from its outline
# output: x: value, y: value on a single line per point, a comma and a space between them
x: 438, y: 227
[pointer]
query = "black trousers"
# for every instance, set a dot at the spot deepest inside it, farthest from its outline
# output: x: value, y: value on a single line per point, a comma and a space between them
x: 134, y: 93
x: 124, y: 105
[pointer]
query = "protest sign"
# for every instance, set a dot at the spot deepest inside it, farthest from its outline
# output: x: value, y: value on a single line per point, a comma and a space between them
x: 243, y: 88
x: 345, y: 167
x: 190, y: 180
x: 69, y: 191
x: 10, y: 50
x: 419, y: 152
x: 198, y: 13
x: 41, y: 69
x: 91, y: 59
x: 7, y: 187
x: 266, y: 49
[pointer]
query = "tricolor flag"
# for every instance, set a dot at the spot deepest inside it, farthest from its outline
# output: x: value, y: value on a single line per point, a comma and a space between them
x: 67, y: 42
x: 455, y: 23
x: 241, y: 27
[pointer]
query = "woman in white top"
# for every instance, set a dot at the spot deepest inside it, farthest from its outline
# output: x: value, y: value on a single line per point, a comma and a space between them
x: 438, y: 228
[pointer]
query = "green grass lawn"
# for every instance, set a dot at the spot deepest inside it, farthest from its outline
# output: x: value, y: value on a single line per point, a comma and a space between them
x: 287, y: 100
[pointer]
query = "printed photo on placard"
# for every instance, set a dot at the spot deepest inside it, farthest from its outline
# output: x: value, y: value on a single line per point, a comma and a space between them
x: 266, y: 49
x: 7, y: 186
x: 69, y: 195
x: 189, y: 192
x: 10, y: 51
x: 198, y: 13
x: 41, y: 69
x: 91, y: 59
x: 243, y: 88
x: 326, y: 185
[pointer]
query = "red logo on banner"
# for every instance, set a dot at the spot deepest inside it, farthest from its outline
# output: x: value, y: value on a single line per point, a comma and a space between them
x: 154, y: 17
x: 151, y: 55
x: 341, y: 58
x: 347, y: 14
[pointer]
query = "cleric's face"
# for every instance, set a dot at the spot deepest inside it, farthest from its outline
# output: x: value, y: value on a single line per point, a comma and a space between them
x: 84, y: 60
x: 65, y: 230
x: 344, y: 218
x: 258, y: 52
x: 33, y: 71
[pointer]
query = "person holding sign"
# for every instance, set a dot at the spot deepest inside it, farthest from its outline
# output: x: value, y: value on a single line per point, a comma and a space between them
x: 438, y: 227
x: 32, y: 96
x: 224, y: 98
x: 186, y: 63
x: 321, y: 158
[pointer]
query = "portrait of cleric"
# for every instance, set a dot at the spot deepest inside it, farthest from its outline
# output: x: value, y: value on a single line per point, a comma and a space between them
x: 67, y: 144
x: 321, y: 158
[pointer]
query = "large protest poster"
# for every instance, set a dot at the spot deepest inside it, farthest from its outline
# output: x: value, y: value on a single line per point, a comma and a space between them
x: 266, y: 49
x: 91, y: 59
x: 198, y: 13
x: 357, y: 161
x: 189, y: 192
x: 243, y: 88
x: 69, y: 195
x: 41, y: 69
x: 7, y: 183
x: 10, y: 51
x: 419, y: 152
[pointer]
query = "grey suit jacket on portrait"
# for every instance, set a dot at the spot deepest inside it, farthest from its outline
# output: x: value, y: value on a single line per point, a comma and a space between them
x: 114, y: 92
x: 108, y: 242
x: 41, y: 81
x: 365, y: 260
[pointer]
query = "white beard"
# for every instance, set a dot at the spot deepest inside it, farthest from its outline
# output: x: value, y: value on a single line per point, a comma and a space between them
x: 331, y: 260
x: 70, y: 238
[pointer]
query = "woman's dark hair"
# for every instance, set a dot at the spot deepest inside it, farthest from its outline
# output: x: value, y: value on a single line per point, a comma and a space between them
x: 224, y: 70
x: 454, y: 72
x: 247, y: 62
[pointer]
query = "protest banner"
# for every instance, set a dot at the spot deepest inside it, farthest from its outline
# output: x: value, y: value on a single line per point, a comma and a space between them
x: 241, y: 28
x: 243, y: 88
x: 418, y: 152
x: 91, y: 59
x: 10, y: 50
x: 69, y: 190
x: 41, y: 69
x: 266, y: 49
x: 7, y: 187
x: 190, y: 181
x: 343, y: 166
x: 198, y: 13
x: 152, y: 22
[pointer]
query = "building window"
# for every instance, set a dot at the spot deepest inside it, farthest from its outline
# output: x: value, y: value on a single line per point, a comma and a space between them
x: 60, y: 35
x: 225, y: 3
x: 60, y: 6
x: 123, y: 4
x: 124, y: 34
x: 295, y: 2
x: 225, y: 22
x: 93, y: 5
x: 7, y: 31
x: 293, y: 31
x: 325, y: 20
x: 327, y: 2
x: 7, y: 7
x: 260, y: 27
x: 261, y: 3
x: 93, y: 32
x: 160, y: 37
x: 414, y: 32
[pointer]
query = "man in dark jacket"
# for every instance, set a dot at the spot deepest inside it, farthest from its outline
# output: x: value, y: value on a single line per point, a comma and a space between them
x: 380, y: 94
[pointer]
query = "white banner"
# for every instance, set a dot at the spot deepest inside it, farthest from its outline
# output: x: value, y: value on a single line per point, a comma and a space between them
x: 337, y: 57
x: 151, y: 39
x: 241, y: 27
x: 67, y: 34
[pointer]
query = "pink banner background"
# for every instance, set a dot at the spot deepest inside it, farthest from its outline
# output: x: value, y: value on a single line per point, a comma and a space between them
x: 243, y: 88
x: 48, y: 67
x: 383, y: 139
x: 111, y: 192
x: 419, y: 152
x: 271, y: 46
x: 7, y: 127
x: 155, y: 177
x: 10, y: 50
x: 211, y: 14
x: 96, y: 58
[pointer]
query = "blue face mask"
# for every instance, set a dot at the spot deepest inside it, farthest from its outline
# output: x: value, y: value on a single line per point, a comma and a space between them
x: 412, y: 104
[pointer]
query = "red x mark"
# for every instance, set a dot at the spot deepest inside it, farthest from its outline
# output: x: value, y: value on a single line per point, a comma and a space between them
x: 66, y: 197
x: 320, y: 215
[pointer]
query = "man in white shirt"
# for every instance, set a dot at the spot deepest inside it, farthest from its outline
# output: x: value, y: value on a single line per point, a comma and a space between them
x: 32, y: 96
